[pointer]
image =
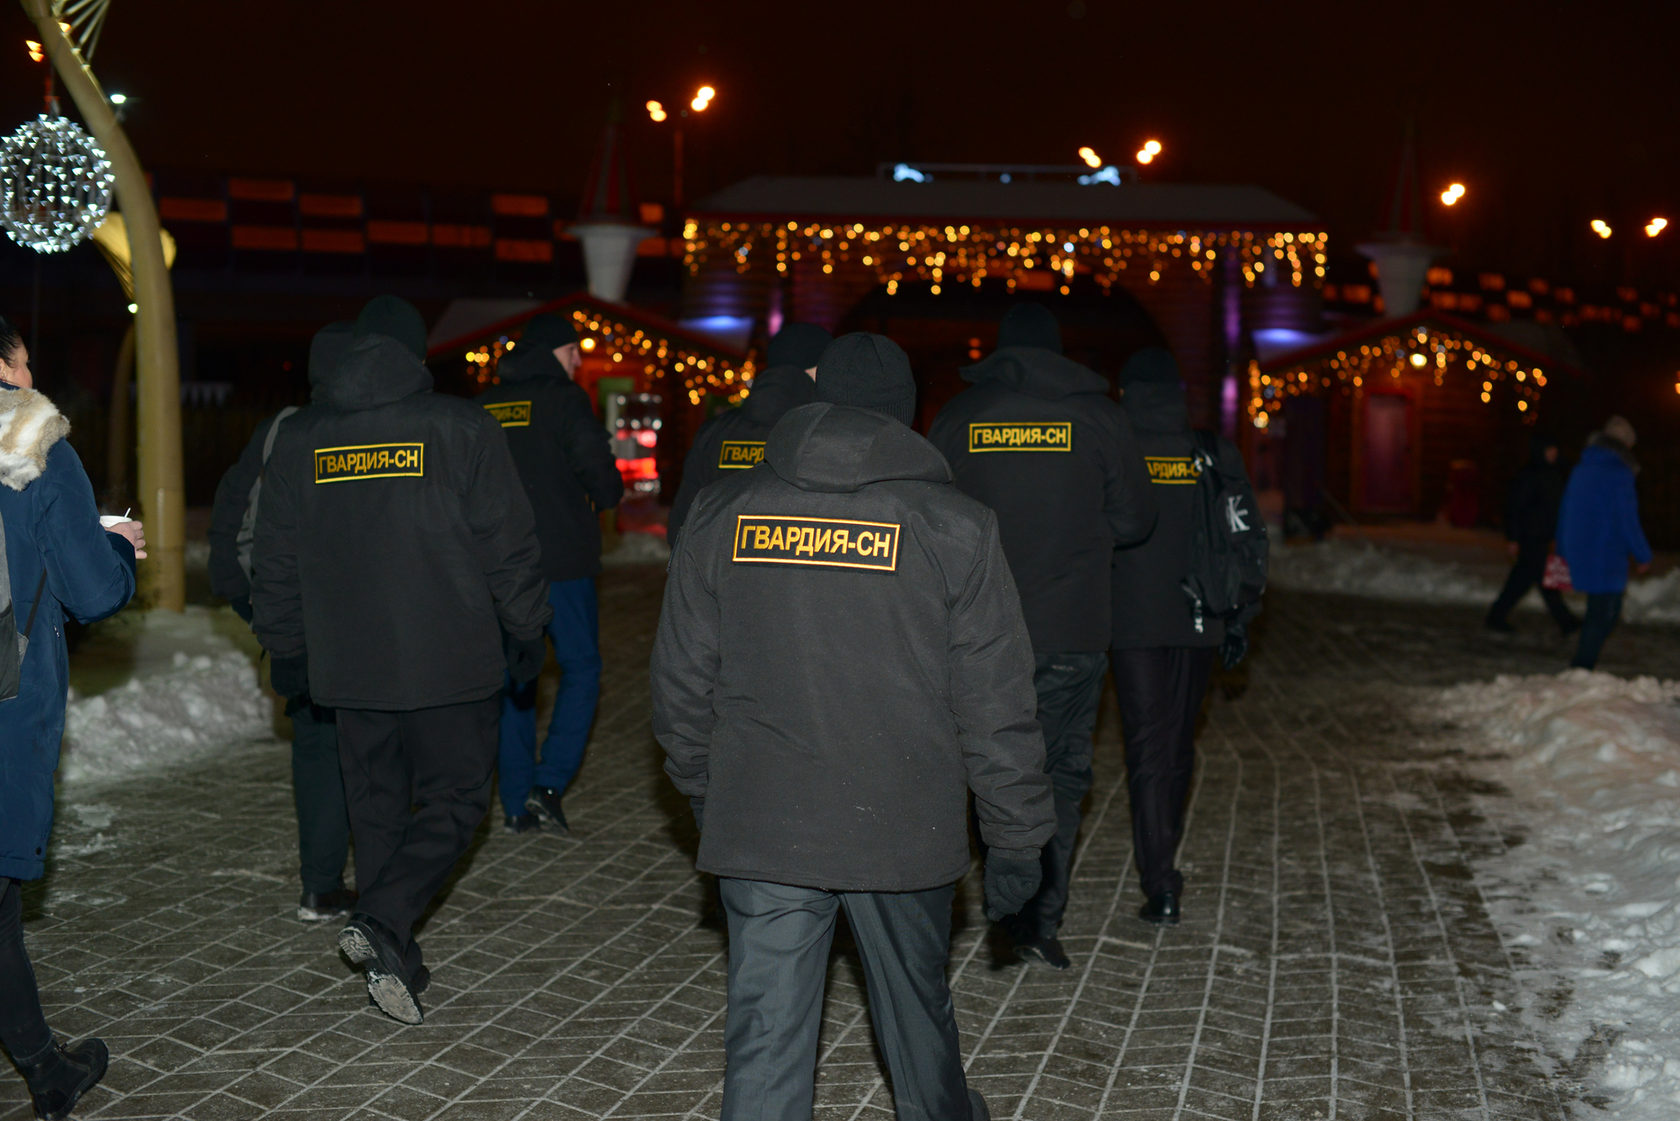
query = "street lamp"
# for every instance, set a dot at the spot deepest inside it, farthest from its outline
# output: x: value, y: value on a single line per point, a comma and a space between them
x: 1089, y: 155
x: 1452, y: 194
x: 1147, y: 153
x: 1655, y: 226
x: 1601, y: 228
x: 658, y: 114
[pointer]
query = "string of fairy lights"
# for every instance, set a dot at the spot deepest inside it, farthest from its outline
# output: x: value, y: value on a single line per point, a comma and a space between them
x: 1414, y: 352
x: 962, y: 253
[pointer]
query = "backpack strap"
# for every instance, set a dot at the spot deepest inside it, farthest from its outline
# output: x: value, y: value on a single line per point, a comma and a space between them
x: 274, y: 431
x: 40, y: 587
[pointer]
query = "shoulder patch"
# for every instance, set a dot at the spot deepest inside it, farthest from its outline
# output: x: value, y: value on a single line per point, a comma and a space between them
x: 828, y: 542
x: 1173, y: 470
x: 369, y: 461
x: 736, y: 454
x: 511, y: 414
x: 1020, y: 436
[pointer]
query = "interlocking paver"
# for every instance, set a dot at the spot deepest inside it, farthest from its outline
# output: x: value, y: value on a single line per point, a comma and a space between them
x: 1337, y: 958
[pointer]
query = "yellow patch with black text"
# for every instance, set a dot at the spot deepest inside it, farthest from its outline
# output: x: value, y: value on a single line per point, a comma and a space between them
x: 1021, y: 436
x: 828, y: 542
x: 511, y: 414
x: 369, y: 461
x: 733, y: 455
x: 1173, y: 470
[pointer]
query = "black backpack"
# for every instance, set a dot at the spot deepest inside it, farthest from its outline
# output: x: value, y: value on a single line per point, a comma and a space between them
x: 1228, y: 543
x: 244, y: 541
x: 13, y: 643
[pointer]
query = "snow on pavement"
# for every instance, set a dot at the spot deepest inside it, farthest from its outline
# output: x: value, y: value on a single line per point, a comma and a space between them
x: 1594, y: 893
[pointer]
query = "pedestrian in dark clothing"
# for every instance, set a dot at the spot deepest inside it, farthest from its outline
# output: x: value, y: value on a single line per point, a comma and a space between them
x: 397, y: 566
x: 1038, y: 439
x: 317, y: 781
x: 1531, y: 512
x: 734, y: 440
x: 1598, y: 530
x: 840, y: 659
x: 567, y: 467
x: 1161, y: 661
x: 59, y: 563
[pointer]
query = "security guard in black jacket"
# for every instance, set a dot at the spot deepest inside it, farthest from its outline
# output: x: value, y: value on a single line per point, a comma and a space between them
x: 840, y: 660
x: 396, y: 566
x: 317, y: 784
x: 1039, y: 440
x: 1161, y: 661
x: 734, y: 440
x: 561, y: 450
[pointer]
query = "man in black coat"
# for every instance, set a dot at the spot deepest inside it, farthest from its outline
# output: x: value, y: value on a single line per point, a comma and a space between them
x: 734, y: 440
x: 317, y: 784
x: 840, y: 659
x: 1531, y: 514
x: 397, y: 567
x: 1161, y: 660
x: 566, y: 464
x: 1039, y: 440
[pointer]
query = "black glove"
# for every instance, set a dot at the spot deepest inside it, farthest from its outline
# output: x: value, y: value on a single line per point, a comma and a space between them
x: 525, y: 658
x: 241, y: 607
x: 289, y: 676
x: 1233, y: 648
x: 1012, y: 878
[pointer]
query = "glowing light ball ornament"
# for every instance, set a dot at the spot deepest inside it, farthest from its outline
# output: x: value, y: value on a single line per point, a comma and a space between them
x: 55, y: 184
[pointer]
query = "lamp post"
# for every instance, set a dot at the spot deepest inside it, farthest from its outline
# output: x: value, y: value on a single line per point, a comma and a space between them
x: 658, y: 114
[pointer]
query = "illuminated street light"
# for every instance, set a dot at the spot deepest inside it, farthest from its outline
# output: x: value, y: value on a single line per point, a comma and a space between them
x: 702, y: 98
x: 1089, y: 155
x: 1655, y: 226
x: 36, y: 54
x: 1452, y: 194
x: 1153, y: 147
x: 119, y: 99
x: 1144, y: 155
x: 1601, y: 227
x: 656, y: 111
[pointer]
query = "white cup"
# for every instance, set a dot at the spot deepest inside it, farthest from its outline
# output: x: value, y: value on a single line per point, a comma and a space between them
x: 109, y: 520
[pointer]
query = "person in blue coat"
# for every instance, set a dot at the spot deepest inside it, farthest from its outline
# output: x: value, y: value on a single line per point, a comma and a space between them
x: 1598, y: 530
x: 61, y: 563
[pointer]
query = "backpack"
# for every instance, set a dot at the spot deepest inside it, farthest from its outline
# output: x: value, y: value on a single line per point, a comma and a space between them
x: 12, y: 642
x: 244, y: 542
x: 1228, y: 545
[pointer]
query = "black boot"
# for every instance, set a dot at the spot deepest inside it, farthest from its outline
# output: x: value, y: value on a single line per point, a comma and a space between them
x: 58, y: 1081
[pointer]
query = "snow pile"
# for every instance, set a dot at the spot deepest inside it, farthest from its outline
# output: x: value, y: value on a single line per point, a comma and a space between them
x: 639, y: 548
x: 185, y: 689
x: 1594, y: 895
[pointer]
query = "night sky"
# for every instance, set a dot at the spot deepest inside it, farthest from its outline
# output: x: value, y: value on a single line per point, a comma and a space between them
x: 1553, y: 113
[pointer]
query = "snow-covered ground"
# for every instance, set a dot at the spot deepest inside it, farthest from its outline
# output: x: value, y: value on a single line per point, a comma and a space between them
x: 1364, y: 568
x: 1594, y: 892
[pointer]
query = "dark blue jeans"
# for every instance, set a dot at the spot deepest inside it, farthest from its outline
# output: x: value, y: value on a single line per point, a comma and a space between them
x: 23, y: 1029
x: 1603, y: 610
x: 575, y: 633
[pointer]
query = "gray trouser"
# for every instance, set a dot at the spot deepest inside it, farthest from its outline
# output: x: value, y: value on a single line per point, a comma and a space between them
x: 779, y: 938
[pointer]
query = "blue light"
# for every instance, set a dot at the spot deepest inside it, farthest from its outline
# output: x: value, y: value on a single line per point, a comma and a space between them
x: 1005, y: 178
x: 904, y: 172
x: 1107, y: 174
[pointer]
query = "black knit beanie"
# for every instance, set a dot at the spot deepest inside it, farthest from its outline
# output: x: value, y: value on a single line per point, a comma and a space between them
x: 798, y: 345
x: 1028, y: 324
x: 395, y: 318
x: 327, y: 349
x: 548, y: 332
x: 869, y: 372
x: 1152, y: 363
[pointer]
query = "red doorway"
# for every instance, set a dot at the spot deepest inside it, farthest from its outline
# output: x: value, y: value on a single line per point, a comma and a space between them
x: 1388, y: 453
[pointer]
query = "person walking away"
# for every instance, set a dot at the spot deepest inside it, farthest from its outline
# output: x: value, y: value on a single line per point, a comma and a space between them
x: 60, y: 563
x: 840, y: 659
x: 396, y: 571
x: 734, y: 439
x: 1161, y: 660
x: 317, y: 782
x: 1038, y: 439
x: 566, y: 465
x: 1598, y: 530
x: 1531, y: 514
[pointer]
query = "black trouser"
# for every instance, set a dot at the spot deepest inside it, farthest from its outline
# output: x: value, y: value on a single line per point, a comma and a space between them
x: 1069, y: 688
x: 1526, y: 572
x: 417, y: 784
x: 779, y: 938
x: 1160, y: 691
x: 23, y: 1027
x: 318, y: 793
x: 1603, y: 609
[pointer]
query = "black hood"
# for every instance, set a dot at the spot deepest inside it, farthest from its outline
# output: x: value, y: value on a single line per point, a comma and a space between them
x: 526, y: 363
x: 1035, y: 371
x: 326, y: 352
x: 777, y: 390
x: 1157, y: 406
x: 826, y: 447
x: 376, y: 370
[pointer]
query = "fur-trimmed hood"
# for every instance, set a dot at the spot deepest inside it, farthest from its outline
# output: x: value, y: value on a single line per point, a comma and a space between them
x: 30, y: 425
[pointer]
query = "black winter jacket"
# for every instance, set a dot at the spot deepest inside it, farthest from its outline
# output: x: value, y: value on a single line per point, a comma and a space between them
x: 394, y: 543
x: 1531, y: 506
x: 564, y: 459
x: 227, y: 514
x: 841, y: 657
x: 1039, y: 440
x: 1150, y: 608
x: 734, y: 440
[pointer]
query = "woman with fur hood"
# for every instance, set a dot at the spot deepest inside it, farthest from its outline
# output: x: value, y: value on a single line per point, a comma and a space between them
x: 61, y: 562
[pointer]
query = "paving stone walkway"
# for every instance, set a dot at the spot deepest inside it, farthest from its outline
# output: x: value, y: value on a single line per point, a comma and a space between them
x: 1336, y: 959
